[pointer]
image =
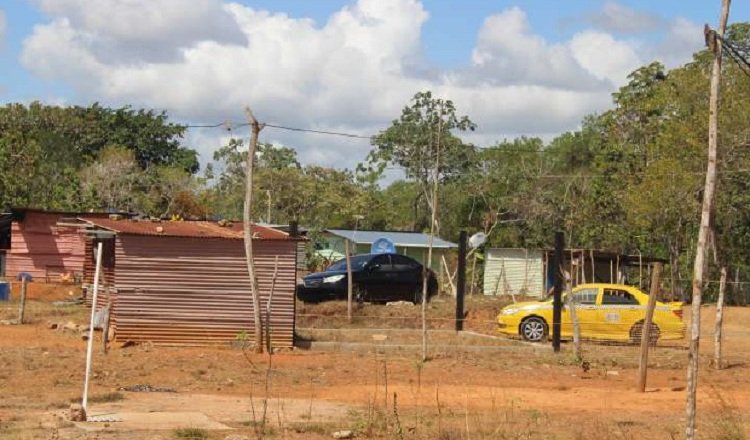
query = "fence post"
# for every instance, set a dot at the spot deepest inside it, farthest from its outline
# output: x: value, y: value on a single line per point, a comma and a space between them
x: 574, y: 320
x: 557, y: 293
x: 349, y: 281
x: 719, y: 319
x: 22, y: 306
x: 646, y: 330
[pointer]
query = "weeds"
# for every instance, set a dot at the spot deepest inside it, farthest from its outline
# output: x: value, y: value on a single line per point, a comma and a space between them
x: 102, y: 398
x: 191, y: 433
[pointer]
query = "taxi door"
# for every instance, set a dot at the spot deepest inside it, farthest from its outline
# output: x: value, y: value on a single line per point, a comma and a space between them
x: 618, y: 311
x: 585, y: 300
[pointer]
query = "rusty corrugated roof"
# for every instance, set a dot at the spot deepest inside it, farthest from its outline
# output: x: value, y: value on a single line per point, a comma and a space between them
x: 195, y: 229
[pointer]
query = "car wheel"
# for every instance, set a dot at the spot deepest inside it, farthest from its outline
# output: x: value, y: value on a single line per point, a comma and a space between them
x: 418, y: 295
x: 533, y: 329
x: 359, y: 295
x: 636, y: 333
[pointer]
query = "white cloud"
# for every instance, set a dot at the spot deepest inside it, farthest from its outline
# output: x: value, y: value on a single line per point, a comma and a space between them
x: 133, y: 31
x: 603, y: 56
x: 352, y: 73
x: 614, y: 17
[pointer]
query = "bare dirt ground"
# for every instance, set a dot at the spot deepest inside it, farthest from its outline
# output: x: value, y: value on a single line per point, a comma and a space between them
x: 519, y: 393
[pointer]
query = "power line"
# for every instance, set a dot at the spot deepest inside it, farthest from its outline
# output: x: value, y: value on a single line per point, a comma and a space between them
x: 228, y: 125
x: 736, y: 54
x: 307, y: 130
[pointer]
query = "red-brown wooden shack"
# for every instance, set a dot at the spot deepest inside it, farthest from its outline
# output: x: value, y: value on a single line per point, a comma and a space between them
x: 43, y: 246
x: 186, y: 282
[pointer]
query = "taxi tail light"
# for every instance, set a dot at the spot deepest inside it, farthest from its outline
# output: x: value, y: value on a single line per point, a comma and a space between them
x: 677, y: 312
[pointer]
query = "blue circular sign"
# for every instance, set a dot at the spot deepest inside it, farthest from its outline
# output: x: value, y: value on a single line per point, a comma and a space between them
x: 383, y: 246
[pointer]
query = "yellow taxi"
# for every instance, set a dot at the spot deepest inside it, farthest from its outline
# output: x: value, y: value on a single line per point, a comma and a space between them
x: 612, y: 312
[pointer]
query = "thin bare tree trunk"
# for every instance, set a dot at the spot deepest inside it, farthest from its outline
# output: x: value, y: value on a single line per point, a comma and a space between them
x: 428, y: 263
x: 719, y: 319
x: 699, y: 268
x: 255, y: 127
x: 646, y: 329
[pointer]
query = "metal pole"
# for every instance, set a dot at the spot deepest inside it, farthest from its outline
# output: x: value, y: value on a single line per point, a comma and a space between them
x: 90, y: 347
x: 461, y: 281
x: 557, y: 301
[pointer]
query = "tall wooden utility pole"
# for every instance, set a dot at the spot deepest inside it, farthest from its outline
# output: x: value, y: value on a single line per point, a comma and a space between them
x: 255, y: 127
x: 713, y: 39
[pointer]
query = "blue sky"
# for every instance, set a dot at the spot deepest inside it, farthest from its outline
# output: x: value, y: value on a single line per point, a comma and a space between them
x: 517, y: 68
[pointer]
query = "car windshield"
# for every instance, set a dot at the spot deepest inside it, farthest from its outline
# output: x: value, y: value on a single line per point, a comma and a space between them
x: 358, y: 262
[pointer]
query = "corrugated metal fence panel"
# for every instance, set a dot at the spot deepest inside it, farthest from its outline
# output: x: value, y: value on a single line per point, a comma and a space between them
x: 515, y: 271
x: 195, y: 291
x: 41, y: 248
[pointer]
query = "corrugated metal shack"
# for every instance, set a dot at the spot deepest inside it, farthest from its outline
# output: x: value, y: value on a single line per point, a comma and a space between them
x: 513, y: 271
x: 41, y: 246
x: 186, y: 282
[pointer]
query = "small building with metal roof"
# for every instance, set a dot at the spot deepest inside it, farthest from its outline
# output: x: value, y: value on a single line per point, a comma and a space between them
x: 529, y: 272
x: 412, y: 244
x: 35, y: 242
x: 186, y: 282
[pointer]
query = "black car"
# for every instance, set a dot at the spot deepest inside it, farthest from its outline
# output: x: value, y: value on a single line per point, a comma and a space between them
x: 377, y: 278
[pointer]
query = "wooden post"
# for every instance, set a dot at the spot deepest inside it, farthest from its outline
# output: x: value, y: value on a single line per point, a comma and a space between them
x: 583, y: 266
x: 569, y: 300
x: 247, y: 211
x: 646, y: 329
x: 448, y: 274
x: 90, y: 342
x: 268, y: 306
x: 573, y: 273
x: 719, y: 319
x: 617, y: 269
x: 557, y: 299
x: 105, y: 324
x: 473, y: 273
x: 22, y: 306
x: 461, y: 281
x: 699, y: 267
x: 640, y: 269
x: 349, y: 281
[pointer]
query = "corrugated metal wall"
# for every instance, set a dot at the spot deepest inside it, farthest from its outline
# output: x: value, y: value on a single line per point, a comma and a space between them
x: 516, y: 271
x: 195, y: 291
x: 38, y: 245
x: 106, y: 277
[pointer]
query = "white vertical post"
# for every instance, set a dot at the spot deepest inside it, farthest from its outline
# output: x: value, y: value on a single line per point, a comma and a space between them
x: 90, y: 347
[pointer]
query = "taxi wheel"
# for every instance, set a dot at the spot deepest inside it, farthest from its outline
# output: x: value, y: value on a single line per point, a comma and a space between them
x: 636, y: 332
x: 533, y: 329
